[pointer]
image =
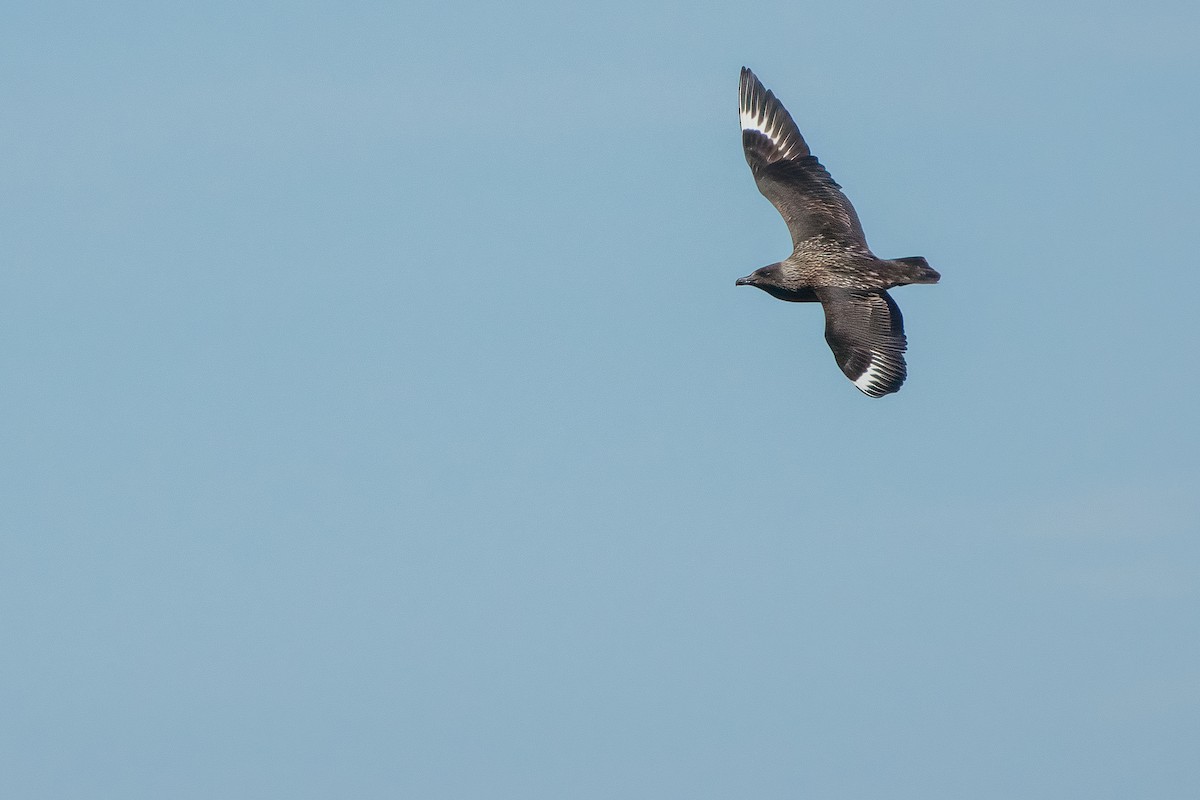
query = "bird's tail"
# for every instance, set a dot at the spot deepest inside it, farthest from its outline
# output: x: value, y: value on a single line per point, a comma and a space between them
x: 916, y: 269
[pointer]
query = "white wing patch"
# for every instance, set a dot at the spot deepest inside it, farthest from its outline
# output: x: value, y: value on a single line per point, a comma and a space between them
x: 753, y: 122
x: 874, y: 377
x: 758, y: 122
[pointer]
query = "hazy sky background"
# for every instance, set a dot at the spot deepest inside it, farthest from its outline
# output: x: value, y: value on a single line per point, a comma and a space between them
x: 380, y: 418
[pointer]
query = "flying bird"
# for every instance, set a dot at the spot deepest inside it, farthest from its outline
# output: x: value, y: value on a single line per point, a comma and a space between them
x: 830, y: 263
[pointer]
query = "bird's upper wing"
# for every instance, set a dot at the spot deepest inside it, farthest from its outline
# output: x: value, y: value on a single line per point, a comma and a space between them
x: 865, y: 331
x: 788, y: 174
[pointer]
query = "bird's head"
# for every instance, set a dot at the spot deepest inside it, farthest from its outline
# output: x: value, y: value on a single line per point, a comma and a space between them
x: 780, y: 282
x: 770, y: 275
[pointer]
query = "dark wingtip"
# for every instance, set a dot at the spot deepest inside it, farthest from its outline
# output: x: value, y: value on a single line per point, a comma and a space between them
x: 749, y: 85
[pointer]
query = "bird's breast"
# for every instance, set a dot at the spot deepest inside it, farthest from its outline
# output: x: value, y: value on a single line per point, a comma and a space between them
x: 792, y: 295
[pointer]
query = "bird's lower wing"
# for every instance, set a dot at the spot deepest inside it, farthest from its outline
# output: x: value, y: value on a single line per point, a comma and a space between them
x: 865, y: 331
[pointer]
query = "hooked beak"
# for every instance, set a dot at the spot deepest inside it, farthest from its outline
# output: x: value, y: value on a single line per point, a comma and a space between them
x: 746, y: 281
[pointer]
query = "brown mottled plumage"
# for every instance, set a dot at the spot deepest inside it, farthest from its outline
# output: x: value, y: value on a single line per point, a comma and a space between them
x: 830, y: 262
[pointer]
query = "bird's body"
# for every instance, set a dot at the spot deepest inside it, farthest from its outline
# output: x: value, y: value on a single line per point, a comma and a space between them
x: 830, y: 261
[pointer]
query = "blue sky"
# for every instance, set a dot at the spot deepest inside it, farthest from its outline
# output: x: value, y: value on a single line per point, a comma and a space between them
x: 381, y: 419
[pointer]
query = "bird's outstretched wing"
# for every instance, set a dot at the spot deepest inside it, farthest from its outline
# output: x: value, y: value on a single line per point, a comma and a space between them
x: 788, y: 174
x: 865, y: 331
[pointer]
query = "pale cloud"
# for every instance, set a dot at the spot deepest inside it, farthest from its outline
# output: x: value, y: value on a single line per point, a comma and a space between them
x: 1155, y: 698
x: 1148, y: 579
x: 1118, y: 512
